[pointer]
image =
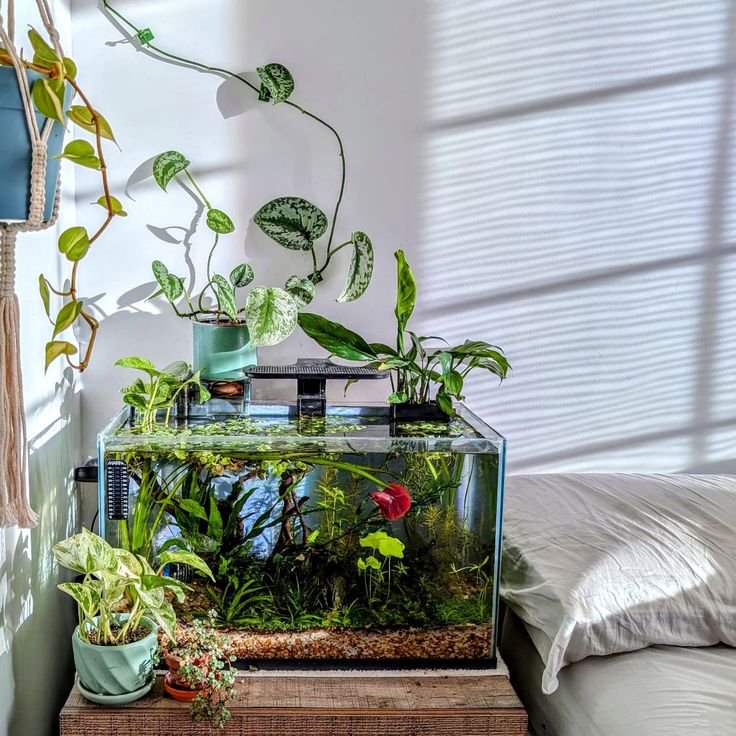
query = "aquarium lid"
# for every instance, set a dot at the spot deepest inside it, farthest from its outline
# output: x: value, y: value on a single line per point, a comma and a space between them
x: 311, y: 375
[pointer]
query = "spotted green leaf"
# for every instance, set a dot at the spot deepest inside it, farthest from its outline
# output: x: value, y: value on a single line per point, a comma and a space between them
x: 56, y: 348
x: 225, y: 296
x: 219, y: 222
x: 301, y: 289
x: 361, y: 268
x: 276, y: 83
x: 292, y: 222
x: 171, y: 285
x: 271, y: 315
x: 242, y: 275
x: 82, y: 153
x: 81, y: 116
x: 167, y: 165
x: 74, y: 243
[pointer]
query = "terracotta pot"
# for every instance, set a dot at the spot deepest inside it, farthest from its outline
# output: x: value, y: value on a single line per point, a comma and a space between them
x: 182, y: 694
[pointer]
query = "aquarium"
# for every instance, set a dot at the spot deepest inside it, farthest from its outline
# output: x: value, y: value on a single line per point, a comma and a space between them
x: 343, y: 537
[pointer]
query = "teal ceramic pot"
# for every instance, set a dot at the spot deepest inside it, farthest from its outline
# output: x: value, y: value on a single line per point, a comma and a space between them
x: 15, y: 151
x: 117, y: 670
x: 222, y: 350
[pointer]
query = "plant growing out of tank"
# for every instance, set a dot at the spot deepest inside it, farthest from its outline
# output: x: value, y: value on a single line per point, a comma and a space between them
x: 417, y: 370
x: 376, y: 567
x: 115, y: 578
x: 200, y: 663
x: 160, y: 392
x: 48, y: 95
x: 292, y: 222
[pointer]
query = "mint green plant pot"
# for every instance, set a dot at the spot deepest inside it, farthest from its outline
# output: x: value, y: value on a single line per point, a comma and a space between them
x: 117, y: 670
x: 222, y: 350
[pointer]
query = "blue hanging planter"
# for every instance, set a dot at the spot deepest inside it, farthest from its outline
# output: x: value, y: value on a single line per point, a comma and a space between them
x: 15, y: 151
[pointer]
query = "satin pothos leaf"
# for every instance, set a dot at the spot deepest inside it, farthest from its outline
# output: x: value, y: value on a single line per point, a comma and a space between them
x: 276, y: 83
x: 271, y: 315
x: 219, y: 222
x: 171, y: 285
x: 360, y: 270
x: 167, y: 165
x: 225, y: 296
x: 301, y: 289
x: 242, y: 275
x: 292, y: 222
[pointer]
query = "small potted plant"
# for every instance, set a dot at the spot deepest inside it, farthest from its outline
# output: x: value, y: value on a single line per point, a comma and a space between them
x: 121, y: 601
x: 201, y: 672
x: 424, y: 380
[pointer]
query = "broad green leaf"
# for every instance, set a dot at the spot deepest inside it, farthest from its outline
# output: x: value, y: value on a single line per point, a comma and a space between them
x: 225, y: 296
x: 134, y: 399
x: 302, y: 289
x: 372, y: 562
x: 183, y: 557
x: 57, y: 348
x: 152, y: 582
x: 139, y: 364
x: 74, y: 243
x: 86, y: 597
x: 70, y: 68
x: 445, y: 403
x: 166, y: 619
x: 406, y: 291
x: 242, y: 275
x: 453, y: 383
x: 398, y: 397
x: 214, y: 529
x: 115, y: 205
x: 292, y: 222
x: 86, y: 553
x: 43, y: 53
x: 129, y: 565
x: 43, y: 288
x: 67, y: 316
x: 82, y: 153
x: 193, y: 508
x: 171, y: 285
x: 445, y: 359
x: 391, y: 547
x: 167, y: 165
x: 361, y: 269
x: 335, y: 338
x: 271, y: 315
x: 276, y: 83
x: 81, y: 116
x: 219, y: 222
x: 48, y: 97
x: 179, y: 370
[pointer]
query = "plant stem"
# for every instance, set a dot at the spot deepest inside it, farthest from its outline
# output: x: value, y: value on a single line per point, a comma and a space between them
x: 199, y: 191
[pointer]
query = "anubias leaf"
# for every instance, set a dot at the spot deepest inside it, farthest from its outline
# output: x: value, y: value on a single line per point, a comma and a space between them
x: 335, y: 338
x: 225, y: 296
x: 56, y: 348
x: 271, y: 315
x: 74, y: 243
x: 82, y: 153
x: 302, y: 289
x: 48, y: 97
x: 167, y: 165
x: 242, y: 275
x: 81, y: 116
x: 292, y: 222
x: 361, y: 268
x: 172, y: 286
x: 276, y: 83
x: 219, y: 222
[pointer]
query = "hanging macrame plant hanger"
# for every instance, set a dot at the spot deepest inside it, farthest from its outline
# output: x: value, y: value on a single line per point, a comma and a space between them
x: 14, y: 506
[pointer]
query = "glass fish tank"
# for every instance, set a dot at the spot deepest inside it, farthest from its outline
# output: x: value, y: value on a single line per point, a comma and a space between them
x: 340, y: 537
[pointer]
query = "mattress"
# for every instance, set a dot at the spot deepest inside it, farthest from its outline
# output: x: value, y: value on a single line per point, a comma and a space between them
x: 658, y: 691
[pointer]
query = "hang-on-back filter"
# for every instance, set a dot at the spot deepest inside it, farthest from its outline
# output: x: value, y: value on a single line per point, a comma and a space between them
x: 311, y: 376
x: 116, y: 489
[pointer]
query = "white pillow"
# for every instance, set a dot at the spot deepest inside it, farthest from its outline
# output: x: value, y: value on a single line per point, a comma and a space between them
x: 604, y: 563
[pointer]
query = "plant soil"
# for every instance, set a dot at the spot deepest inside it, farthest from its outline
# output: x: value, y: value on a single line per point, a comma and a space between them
x: 141, y: 632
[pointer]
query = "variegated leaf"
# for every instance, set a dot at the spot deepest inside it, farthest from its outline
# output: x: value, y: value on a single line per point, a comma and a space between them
x: 241, y: 275
x: 276, y: 83
x: 219, y: 222
x: 225, y: 296
x: 171, y: 285
x: 271, y: 315
x: 301, y: 289
x: 167, y: 165
x: 361, y: 268
x: 292, y: 222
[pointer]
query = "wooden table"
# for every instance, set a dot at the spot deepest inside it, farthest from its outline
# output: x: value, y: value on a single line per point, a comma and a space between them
x: 323, y: 704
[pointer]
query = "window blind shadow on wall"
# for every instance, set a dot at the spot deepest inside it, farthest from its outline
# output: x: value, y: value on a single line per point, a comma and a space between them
x: 577, y: 211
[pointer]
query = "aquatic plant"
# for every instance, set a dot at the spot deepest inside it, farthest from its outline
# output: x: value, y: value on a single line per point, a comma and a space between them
x: 376, y: 567
x: 416, y: 369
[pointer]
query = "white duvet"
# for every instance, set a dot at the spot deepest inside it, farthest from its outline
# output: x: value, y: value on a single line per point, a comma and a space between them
x: 605, y: 563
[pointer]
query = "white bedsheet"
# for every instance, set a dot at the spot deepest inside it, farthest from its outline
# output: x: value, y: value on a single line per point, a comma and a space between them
x: 659, y: 691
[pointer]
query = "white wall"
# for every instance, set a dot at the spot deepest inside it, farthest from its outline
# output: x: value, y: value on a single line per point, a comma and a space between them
x: 36, y: 619
x: 557, y: 172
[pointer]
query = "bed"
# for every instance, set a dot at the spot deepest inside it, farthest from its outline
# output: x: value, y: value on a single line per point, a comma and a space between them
x: 622, y: 590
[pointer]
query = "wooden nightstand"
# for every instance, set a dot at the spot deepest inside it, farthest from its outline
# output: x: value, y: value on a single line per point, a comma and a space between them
x: 477, y: 703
